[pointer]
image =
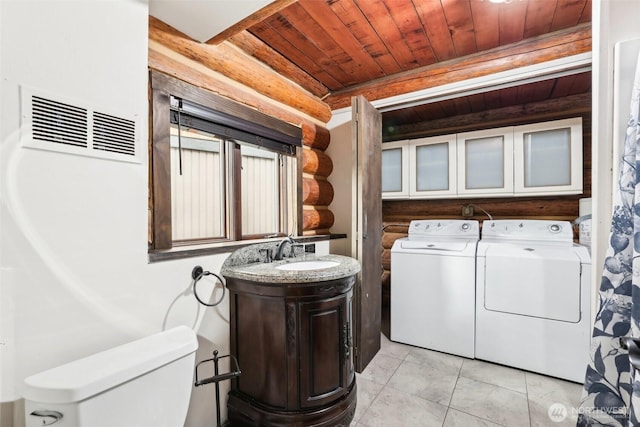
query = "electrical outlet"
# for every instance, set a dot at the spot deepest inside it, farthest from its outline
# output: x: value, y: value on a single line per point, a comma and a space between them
x: 467, y: 211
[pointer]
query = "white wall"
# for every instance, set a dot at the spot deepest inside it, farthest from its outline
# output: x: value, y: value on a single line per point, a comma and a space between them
x: 613, y: 21
x: 342, y: 153
x: 75, y: 278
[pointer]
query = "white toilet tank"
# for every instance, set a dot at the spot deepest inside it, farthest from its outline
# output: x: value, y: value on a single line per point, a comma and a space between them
x: 143, y: 383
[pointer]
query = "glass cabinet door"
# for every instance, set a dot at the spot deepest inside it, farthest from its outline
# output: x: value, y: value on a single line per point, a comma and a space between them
x: 485, y: 162
x: 432, y: 166
x: 536, y: 159
x: 395, y: 170
x: 548, y: 157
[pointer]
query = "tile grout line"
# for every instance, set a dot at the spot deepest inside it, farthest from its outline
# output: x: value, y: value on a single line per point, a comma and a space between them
x: 526, y: 395
x: 452, y: 393
x: 383, y: 385
x: 526, y: 387
x: 461, y: 411
x: 497, y: 385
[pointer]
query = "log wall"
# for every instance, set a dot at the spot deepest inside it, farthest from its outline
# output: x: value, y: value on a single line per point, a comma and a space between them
x: 317, y: 191
x: 230, y: 72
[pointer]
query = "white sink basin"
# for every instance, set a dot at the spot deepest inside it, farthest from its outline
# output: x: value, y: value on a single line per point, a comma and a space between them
x: 307, y: 265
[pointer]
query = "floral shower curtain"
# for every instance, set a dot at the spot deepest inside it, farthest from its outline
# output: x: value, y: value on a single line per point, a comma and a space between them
x: 611, y: 395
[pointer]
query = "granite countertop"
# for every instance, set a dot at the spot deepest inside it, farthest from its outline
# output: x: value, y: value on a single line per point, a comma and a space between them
x: 247, y: 264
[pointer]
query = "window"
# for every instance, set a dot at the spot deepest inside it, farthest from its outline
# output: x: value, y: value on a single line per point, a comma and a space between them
x: 218, y: 177
x: 260, y: 185
x: 198, y: 185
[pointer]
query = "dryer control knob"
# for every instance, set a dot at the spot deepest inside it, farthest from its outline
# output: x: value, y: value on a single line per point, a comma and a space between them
x: 465, y: 226
x: 554, y: 228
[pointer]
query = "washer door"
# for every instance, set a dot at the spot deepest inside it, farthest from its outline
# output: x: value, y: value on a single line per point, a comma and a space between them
x: 533, y: 280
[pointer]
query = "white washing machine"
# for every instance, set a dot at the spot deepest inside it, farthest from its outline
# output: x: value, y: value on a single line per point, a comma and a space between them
x: 533, y: 297
x: 433, y: 286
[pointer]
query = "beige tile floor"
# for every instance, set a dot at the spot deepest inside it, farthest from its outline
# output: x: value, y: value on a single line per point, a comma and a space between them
x: 410, y: 386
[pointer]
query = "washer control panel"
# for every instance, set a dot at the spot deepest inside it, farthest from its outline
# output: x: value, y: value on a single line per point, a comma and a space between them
x: 444, y: 228
x: 528, y: 229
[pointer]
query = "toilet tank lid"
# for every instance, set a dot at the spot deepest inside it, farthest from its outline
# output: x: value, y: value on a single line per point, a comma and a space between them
x: 86, y: 377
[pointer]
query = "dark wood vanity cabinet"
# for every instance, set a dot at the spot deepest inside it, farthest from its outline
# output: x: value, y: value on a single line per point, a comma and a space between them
x: 325, y: 361
x: 293, y: 343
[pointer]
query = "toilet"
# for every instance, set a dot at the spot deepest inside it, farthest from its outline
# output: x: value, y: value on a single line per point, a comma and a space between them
x: 143, y: 383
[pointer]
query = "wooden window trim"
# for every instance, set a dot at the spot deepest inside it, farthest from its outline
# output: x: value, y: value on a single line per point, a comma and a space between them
x: 237, y: 191
x: 160, y: 161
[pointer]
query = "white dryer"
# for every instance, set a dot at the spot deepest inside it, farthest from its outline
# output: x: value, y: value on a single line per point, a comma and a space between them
x: 533, y: 297
x: 433, y: 286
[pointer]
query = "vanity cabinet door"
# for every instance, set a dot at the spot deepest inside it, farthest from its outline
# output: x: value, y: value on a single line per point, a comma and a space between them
x: 395, y: 170
x: 485, y: 162
x: 259, y: 342
x: 326, y: 359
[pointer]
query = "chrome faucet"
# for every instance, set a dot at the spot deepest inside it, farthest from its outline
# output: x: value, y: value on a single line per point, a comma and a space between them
x: 280, y: 248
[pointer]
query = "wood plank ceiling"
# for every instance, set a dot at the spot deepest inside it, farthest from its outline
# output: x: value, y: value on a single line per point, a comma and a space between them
x: 342, y: 43
x: 333, y: 48
x: 330, y: 47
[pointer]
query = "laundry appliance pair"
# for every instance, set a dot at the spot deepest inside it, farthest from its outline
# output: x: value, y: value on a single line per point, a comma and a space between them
x: 518, y: 296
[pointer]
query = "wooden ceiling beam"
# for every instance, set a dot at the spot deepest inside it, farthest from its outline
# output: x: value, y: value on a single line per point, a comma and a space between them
x: 255, y: 47
x: 551, y: 109
x: 560, y: 44
x: 231, y: 62
x: 262, y: 14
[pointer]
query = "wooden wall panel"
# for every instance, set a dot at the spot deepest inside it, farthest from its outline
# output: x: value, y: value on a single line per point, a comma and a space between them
x: 554, y: 207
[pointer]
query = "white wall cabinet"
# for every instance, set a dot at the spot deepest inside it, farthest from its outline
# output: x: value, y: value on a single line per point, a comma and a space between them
x: 485, y: 162
x: 395, y: 170
x: 432, y: 167
x: 419, y: 168
x: 531, y: 160
x: 548, y: 158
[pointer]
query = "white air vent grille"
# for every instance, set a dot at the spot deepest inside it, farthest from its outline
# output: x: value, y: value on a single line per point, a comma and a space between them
x: 114, y: 134
x: 53, y: 123
x: 57, y: 122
